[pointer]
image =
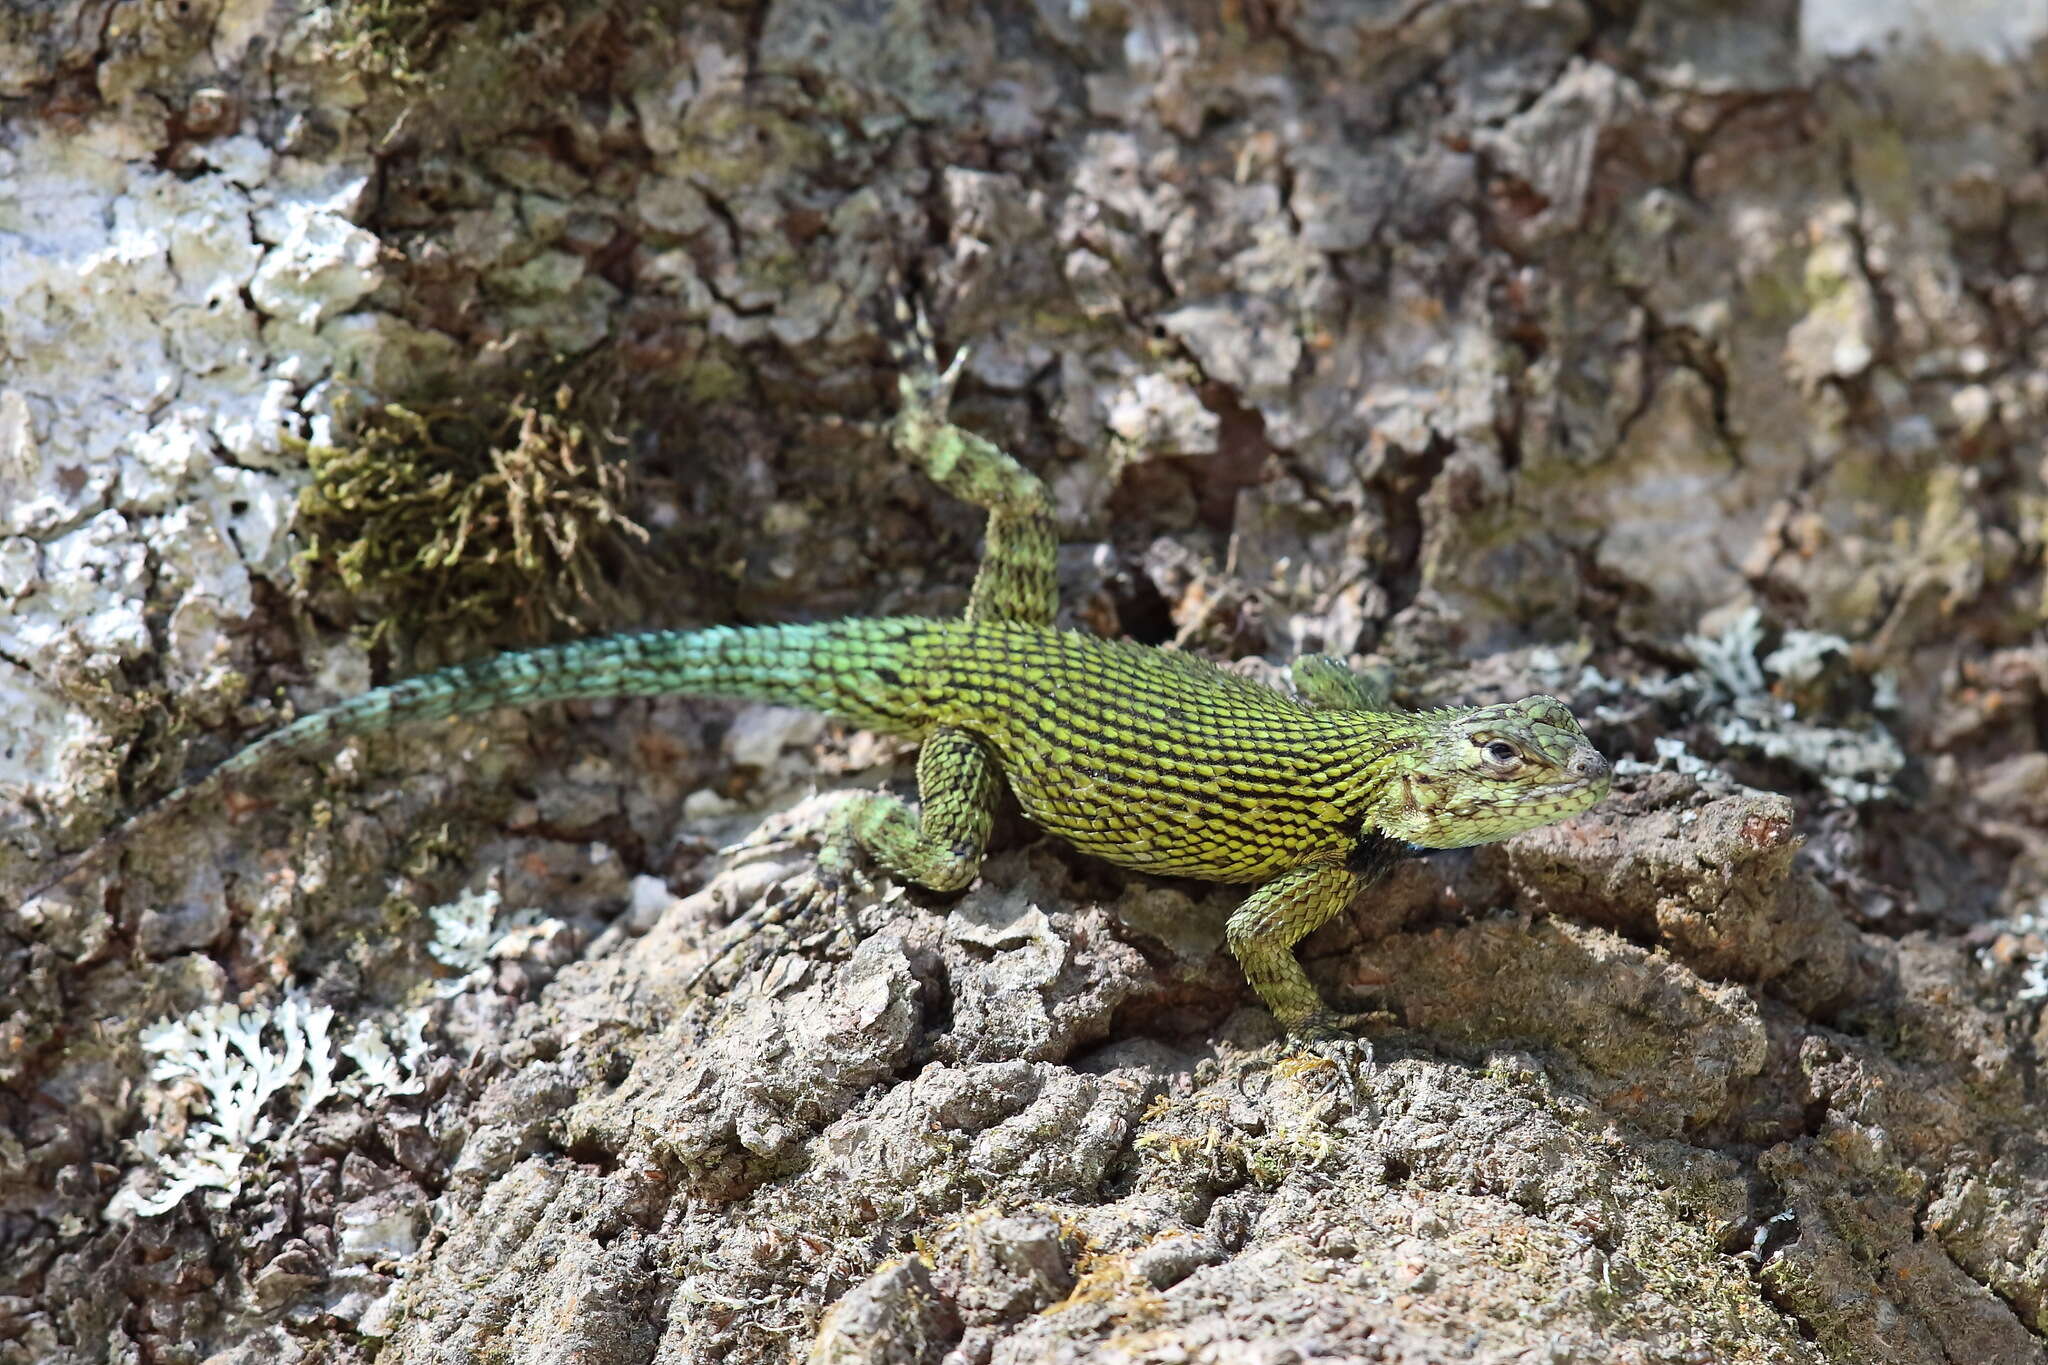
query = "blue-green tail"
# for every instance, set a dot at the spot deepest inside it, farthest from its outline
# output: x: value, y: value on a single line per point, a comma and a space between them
x: 859, y: 670
x: 851, y: 669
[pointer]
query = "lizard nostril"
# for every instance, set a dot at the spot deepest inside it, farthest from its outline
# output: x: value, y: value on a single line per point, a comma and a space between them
x: 1591, y: 763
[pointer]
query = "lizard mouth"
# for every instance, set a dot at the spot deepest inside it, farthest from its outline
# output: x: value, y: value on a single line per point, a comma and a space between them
x: 1564, y: 799
x: 1596, y: 775
x: 1592, y: 766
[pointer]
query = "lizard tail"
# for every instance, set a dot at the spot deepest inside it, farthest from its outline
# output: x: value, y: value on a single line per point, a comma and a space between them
x: 852, y: 669
x: 858, y: 670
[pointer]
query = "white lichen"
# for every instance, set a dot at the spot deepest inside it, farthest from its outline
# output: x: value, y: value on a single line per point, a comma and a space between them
x: 463, y: 931
x: 1857, y: 766
x: 1730, y: 691
x: 379, y: 1071
x: 469, y: 935
x: 2021, y: 940
x: 224, y: 1077
x: 1672, y: 755
x: 1803, y: 654
x: 1728, y: 660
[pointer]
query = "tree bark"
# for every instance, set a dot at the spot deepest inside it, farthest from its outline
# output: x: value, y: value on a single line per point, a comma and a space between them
x: 1681, y: 360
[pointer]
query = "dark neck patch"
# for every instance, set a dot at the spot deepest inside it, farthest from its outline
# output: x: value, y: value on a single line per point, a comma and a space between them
x: 1373, y: 854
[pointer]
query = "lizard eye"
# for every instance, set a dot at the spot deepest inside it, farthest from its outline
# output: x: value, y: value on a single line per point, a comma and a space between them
x: 1503, y: 753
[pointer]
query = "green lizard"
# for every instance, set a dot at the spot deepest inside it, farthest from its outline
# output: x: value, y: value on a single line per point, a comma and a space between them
x: 1148, y: 758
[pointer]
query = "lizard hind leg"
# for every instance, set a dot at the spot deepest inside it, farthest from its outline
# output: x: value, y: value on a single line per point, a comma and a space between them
x: 938, y: 847
x: 1017, y: 580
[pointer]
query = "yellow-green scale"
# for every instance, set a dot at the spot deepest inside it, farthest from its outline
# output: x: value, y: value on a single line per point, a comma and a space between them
x: 1154, y: 760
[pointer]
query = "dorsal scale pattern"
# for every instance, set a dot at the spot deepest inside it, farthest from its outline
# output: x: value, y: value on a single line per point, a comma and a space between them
x: 1154, y: 759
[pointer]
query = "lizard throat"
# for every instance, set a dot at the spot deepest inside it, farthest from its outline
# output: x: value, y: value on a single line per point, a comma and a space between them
x: 1434, y: 814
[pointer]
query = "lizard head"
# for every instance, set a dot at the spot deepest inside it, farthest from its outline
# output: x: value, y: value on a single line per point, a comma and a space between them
x: 1477, y: 776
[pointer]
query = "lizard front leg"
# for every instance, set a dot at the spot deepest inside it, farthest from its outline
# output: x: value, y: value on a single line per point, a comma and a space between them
x: 1326, y: 683
x: 1263, y: 932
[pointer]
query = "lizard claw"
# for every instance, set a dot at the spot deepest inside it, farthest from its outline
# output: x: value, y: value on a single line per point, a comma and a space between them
x: 757, y: 846
x: 806, y: 824
x: 824, y: 889
x: 914, y: 347
x: 1335, y: 1040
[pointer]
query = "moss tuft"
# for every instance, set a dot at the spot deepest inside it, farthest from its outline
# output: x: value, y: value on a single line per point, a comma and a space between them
x: 462, y: 520
x: 485, y: 66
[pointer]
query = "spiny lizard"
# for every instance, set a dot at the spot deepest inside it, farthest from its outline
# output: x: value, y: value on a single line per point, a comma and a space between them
x: 1148, y: 758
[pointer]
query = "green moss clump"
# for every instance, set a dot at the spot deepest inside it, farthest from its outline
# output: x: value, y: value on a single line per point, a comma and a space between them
x: 397, y: 38
x: 493, y: 64
x: 461, y: 521
x: 410, y: 41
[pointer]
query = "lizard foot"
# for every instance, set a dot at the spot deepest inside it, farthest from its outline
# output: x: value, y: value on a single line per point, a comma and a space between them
x: 1329, y: 1037
x: 827, y: 889
x: 1330, y: 1024
x: 807, y: 824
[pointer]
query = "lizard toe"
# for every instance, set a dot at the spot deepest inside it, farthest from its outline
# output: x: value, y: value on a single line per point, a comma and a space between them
x: 1335, y: 1038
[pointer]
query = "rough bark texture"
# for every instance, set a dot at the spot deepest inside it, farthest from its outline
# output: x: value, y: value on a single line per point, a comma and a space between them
x: 1684, y: 360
